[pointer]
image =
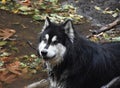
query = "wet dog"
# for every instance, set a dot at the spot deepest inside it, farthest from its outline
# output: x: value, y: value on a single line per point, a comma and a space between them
x: 75, y: 62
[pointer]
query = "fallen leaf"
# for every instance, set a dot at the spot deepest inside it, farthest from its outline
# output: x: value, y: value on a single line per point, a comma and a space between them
x: 115, y: 15
x: 116, y: 39
x: 25, y: 8
x: 14, y: 68
x: 40, y: 1
x: 5, y: 59
x: 7, y: 77
x: 6, y: 33
x: 1, y: 85
x: 3, y: 1
x: 10, y: 78
x: 97, y: 8
x: 2, y: 43
x: 25, y: 2
x: 5, y: 54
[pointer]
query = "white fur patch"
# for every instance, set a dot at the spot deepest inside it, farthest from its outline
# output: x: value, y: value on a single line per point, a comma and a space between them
x: 69, y: 30
x: 54, y: 52
x: 53, y: 83
x: 51, y: 51
x: 47, y: 36
x: 41, y: 46
x: 54, y: 38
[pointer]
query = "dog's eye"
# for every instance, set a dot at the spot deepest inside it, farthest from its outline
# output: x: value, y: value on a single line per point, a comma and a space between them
x: 45, y: 40
x: 55, y: 42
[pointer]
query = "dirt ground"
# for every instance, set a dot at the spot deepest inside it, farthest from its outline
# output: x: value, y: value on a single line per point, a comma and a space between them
x: 28, y: 30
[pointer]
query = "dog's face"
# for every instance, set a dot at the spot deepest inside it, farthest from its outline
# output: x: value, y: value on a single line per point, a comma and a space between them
x: 53, y: 37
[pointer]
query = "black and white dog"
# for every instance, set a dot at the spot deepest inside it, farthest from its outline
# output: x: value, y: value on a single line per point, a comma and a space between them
x: 75, y: 62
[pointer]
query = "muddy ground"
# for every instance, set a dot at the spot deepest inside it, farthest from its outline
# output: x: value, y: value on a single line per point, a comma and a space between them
x: 28, y: 30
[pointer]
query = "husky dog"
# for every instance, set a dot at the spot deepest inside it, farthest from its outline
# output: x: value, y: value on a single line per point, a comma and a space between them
x: 75, y: 62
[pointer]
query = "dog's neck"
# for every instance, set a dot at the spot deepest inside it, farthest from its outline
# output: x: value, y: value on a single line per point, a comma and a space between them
x: 57, y: 75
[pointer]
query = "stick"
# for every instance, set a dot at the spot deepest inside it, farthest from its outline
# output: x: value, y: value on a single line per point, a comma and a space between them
x: 113, y: 83
x: 106, y: 27
x: 40, y: 84
x: 30, y: 44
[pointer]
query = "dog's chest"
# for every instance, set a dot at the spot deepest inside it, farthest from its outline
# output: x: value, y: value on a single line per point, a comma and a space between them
x: 57, y: 80
x: 56, y: 84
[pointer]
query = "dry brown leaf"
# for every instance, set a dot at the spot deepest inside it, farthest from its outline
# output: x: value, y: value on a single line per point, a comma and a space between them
x: 40, y: 1
x: 1, y: 85
x: 25, y: 70
x: 10, y: 78
x: 6, y: 33
x: 25, y: 2
x: 7, y: 77
x: 6, y: 59
x: 3, y: 75
x: 14, y: 68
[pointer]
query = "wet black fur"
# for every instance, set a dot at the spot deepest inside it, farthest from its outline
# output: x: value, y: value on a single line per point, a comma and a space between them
x: 87, y: 64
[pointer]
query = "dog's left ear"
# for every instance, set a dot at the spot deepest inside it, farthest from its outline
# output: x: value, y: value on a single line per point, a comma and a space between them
x: 46, y: 24
x: 69, y: 29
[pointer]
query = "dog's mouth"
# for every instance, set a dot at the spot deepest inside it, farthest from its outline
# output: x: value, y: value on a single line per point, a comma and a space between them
x: 48, y: 58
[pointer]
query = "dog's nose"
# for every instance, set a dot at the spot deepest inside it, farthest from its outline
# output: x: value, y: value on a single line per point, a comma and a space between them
x: 44, y: 52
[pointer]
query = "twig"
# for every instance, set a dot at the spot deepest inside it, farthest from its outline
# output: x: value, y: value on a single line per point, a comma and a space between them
x: 105, y: 28
x: 30, y: 44
x: 113, y: 83
x: 40, y: 84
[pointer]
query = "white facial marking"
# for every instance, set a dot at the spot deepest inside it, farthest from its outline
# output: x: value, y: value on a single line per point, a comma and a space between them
x: 41, y: 46
x: 51, y: 51
x: 47, y: 36
x: 61, y: 51
x: 54, y: 38
x: 58, y: 51
x: 54, y: 52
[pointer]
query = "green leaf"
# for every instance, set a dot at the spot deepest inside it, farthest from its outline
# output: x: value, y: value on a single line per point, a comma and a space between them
x: 23, y: 64
x: 25, y: 8
x: 115, y: 14
x: 5, y: 54
x: 97, y: 8
x: 53, y: 1
x: 37, y: 17
x: 33, y: 56
x: 116, y: 39
x: 1, y: 63
x: 2, y: 43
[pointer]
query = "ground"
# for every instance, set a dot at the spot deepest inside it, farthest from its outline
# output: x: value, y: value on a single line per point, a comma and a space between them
x: 28, y: 30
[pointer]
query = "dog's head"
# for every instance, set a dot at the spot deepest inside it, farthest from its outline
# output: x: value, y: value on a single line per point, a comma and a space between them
x: 53, y: 38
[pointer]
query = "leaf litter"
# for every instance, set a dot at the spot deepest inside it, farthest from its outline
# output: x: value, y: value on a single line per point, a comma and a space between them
x: 13, y: 67
x: 39, y: 9
x: 6, y: 33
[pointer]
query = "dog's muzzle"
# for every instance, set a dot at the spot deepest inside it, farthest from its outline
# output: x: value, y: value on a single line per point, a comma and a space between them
x: 45, y: 56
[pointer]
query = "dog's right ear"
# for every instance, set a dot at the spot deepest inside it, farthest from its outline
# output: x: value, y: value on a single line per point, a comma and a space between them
x: 69, y: 29
x: 46, y: 24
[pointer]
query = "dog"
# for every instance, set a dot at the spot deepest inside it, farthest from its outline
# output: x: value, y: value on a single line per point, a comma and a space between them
x: 76, y: 62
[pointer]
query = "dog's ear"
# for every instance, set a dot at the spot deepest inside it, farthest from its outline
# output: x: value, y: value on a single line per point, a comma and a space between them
x: 69, y: 29
x: 46, y: 24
